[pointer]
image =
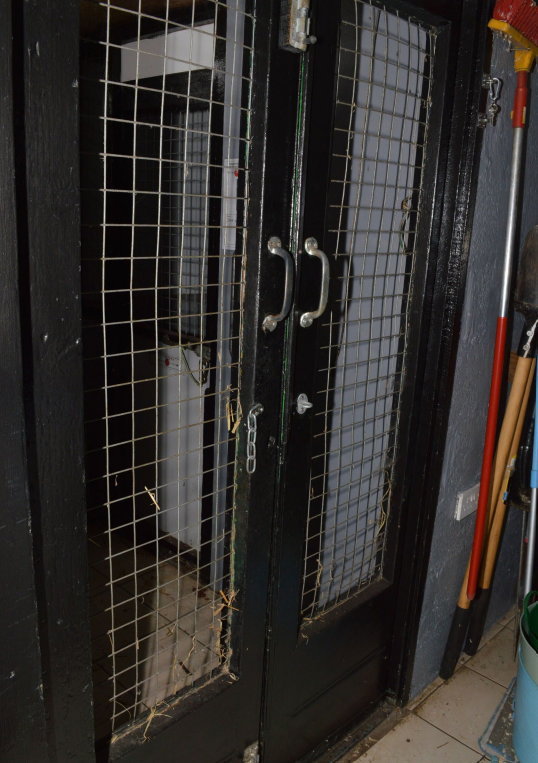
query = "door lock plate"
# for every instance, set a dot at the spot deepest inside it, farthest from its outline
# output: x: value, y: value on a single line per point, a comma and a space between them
x: 303, y: 403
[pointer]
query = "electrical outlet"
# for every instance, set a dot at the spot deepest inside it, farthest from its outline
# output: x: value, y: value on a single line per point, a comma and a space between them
x: 466, y: 502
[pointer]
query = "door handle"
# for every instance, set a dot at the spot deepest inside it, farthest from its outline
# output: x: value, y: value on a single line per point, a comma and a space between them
x: 270, y: 322
x: 311, y: 247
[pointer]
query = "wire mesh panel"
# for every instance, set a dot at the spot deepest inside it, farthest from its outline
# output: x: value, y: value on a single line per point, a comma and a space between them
x: 183, y: 279
x: 165, y: 91
x: 381, y: 122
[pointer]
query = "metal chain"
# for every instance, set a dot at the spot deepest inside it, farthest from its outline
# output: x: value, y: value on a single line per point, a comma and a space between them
x: 252, y: 431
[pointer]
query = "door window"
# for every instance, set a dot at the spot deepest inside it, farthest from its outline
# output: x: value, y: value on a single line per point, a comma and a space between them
x: 164, y: 141
x: 383, y: 96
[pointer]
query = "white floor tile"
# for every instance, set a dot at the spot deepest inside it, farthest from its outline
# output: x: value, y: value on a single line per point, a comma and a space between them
x: 496, y: 660
x: 463, y: 706
x: 416, y: 741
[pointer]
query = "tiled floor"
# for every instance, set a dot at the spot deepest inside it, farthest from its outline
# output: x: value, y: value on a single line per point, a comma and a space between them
x: 445, y: 723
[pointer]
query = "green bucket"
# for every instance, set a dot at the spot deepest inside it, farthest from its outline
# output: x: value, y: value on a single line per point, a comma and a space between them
x: 529, y: 620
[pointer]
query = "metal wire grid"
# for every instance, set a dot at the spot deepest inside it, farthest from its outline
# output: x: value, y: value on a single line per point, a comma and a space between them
x: 164, y: 145
x: 183, y: 280
x: 382, y: 112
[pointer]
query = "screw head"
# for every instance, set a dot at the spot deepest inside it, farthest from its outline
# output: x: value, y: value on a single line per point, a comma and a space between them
x: 269, y: 323
x: 274, y: 243
x: 311, y: 244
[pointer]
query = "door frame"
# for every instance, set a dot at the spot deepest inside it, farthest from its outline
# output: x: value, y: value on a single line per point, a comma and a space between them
x: 439, y: 344
x: 24, y: 734
x: 45, y: 87
x: 46, y: 383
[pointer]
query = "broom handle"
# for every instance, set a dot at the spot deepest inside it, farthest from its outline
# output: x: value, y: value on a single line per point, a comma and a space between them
x: 516, y: 401
x: 496, y: 520
x: 460, y: 620
x: 497, y: 523
x: 517, y: 392
x: 518, y: 122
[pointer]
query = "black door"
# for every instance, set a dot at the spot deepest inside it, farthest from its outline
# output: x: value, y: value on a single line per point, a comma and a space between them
x: 178, y: 472
x: 373, y: 116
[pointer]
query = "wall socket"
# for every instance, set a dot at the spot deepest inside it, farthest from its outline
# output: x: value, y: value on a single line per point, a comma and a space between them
x: 466, y: 502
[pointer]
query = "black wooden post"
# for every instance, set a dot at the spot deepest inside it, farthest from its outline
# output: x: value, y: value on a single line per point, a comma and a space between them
x: 46, y: 89
x: 22, y: 730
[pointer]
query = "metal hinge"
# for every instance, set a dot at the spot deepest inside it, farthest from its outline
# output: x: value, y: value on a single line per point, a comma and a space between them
x: 295, y: 25
x: 252, y: 753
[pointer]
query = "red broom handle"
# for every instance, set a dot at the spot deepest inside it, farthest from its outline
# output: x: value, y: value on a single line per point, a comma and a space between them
x: 518, y: 122
x: 487, y: 458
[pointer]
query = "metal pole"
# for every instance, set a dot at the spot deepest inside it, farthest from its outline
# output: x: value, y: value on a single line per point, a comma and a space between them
x: 531, y: 541
x: 518, y: 123
x: 515, y: 178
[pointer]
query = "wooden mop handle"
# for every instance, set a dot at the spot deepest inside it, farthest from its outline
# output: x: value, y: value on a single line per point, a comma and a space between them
x: 497, y: 518
x: 496, y: 526
x: 513, y: 407
x: 519, y: 392
x: 516, y: 402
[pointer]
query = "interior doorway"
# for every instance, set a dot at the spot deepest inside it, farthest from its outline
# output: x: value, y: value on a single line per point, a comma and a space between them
x: 264, y: 238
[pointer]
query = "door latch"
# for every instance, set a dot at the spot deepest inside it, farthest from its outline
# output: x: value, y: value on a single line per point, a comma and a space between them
x: 494, y: 86
x: 303, y: 404
x: 295, y: 25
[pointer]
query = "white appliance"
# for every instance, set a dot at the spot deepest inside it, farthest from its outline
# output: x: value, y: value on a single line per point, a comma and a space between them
x: 180, y: 449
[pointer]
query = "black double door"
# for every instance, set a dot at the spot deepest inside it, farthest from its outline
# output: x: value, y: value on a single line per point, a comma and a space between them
x: 251, y: 464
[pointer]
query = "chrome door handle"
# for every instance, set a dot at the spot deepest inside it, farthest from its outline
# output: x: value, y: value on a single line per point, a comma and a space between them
x: 270, y: 322
x: 311, y: 247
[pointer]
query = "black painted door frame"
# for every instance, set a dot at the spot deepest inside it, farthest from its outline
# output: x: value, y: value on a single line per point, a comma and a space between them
x: 42, y: 426
x: 47, y: 375
x: 23, y: 735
